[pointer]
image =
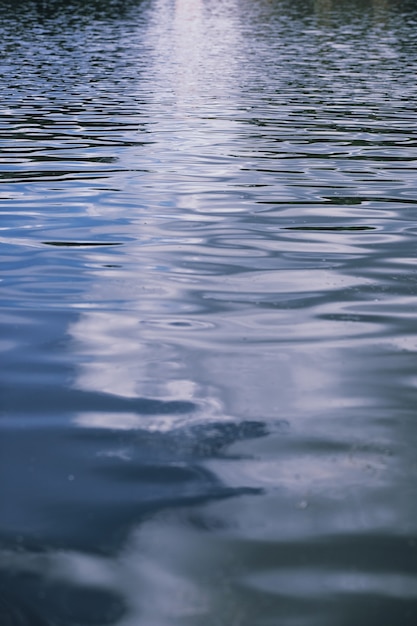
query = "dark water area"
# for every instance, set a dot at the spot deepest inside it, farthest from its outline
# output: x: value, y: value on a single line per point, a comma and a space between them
x: 208, y: 310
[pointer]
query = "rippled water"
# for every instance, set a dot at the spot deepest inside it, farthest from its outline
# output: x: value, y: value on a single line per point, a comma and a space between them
x: 208, y: 313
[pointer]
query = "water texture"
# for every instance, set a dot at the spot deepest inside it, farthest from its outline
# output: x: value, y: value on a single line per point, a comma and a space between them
x: 208, y: 328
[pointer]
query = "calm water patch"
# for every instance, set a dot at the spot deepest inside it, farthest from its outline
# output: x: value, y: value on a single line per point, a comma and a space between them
x: 207, y: 323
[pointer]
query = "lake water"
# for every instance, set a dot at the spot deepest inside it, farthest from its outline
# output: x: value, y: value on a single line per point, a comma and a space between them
x: 208, y: 284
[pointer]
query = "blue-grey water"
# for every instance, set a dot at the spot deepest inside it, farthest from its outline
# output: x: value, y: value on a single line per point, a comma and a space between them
x: 208, y: 279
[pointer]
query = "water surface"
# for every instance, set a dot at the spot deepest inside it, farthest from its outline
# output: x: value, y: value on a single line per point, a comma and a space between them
x: 208, y: 301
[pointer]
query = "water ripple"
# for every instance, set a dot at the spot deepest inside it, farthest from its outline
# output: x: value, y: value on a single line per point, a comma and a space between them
x: 207, y: 326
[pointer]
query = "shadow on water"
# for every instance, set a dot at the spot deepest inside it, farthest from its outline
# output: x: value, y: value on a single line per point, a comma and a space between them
x: 149, y: 472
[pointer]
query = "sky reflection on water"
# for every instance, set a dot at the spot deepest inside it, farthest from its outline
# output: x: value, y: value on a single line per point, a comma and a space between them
x: 208, y: 313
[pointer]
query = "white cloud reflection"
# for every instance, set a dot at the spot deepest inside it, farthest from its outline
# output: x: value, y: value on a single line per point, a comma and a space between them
x: 169, y: 572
